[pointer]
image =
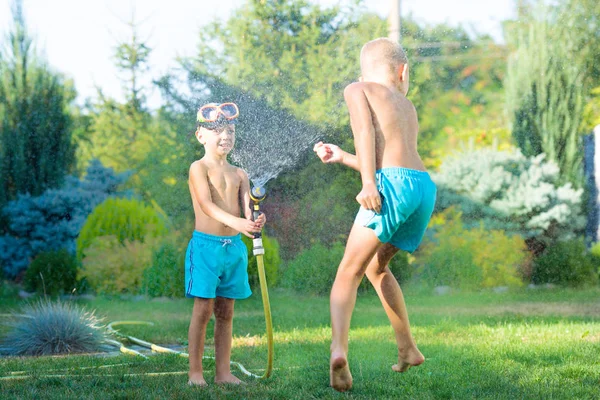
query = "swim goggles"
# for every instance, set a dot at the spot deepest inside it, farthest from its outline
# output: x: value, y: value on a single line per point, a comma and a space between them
x: 213, y: 115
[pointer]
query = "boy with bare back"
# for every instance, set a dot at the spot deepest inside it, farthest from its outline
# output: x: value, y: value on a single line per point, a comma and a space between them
x: 216, y: 259
x: 397, y: 199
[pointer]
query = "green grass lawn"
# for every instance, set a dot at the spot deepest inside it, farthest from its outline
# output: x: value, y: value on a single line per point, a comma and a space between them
x: 527, y: 344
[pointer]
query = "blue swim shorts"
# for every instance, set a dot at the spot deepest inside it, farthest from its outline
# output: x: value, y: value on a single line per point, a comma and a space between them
x: 216, y: 266
x: 408, y: 197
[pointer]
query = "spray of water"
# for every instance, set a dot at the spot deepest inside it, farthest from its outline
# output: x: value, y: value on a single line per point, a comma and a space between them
x: 265, y: 154
x: 269, y: 140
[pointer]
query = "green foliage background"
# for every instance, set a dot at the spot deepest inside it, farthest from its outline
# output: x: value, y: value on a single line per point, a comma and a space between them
x: 125, y: 219
x: 291, y: 60
x: 36, y: 151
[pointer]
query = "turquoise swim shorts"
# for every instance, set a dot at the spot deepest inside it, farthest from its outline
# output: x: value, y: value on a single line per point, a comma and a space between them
x: 216, y: 266
x: 408, y: 197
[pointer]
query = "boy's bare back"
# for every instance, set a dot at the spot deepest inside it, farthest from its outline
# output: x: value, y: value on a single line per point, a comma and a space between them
x: 394, y: 120
x: 397, y: 199
x: 226, y: 186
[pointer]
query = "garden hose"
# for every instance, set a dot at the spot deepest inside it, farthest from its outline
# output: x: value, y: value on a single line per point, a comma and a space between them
x: 159, y: 349
x: 21, y: 375
x: 154, y: 347
x: 123, y: 349
x: 258, y: 194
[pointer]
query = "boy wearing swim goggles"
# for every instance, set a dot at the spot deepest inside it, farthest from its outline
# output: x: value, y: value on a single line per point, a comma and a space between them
x: 216, y: 262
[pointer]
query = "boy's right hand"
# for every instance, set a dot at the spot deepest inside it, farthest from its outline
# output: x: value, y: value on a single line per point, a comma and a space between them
x: 329, y: 153
x: 369, y: 198
x: 248, y: 227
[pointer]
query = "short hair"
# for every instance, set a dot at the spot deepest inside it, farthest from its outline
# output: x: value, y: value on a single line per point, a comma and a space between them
x: 382, y: 51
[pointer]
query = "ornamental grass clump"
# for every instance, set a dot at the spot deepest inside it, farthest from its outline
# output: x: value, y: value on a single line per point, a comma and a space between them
x: 53, y: 327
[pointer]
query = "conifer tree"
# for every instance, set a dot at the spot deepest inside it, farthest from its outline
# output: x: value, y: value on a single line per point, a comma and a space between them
x: 546, y: 86
x: 36, y: 151
x: 120, y: 134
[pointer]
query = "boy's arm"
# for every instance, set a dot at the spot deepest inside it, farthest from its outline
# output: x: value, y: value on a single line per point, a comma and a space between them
x: 350, y: 160
x: 363, y: 130
x: 245, y: 194
x: 330, y: 153
x: 199, y: 182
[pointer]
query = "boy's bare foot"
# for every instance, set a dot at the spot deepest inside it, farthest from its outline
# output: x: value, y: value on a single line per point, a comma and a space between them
x: 340, y: 377
x: 228, y: 379
x: 408, y: 358
x: 197, y: 380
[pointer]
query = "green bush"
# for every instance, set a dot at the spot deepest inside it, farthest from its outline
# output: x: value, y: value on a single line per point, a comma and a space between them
x: 166, y: 275
x: 9, y: 289
x: 313, y: 270
x: 271, y: 259
x: 567, y: 264
x: 401, y: 268
x: 51, y: 273
x: 510, y: 192
x: 125, y: 219
x: 595, y: 254
x: 469, y: 259
x: 110, y: 267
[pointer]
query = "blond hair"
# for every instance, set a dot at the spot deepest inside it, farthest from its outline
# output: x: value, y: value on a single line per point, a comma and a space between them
x: 382, y: 51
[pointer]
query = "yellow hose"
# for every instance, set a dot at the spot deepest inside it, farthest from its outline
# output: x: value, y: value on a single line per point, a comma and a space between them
x: 154, y: 347
x: 123, y: 349
x: 267, y: 306
x: 160, y: 349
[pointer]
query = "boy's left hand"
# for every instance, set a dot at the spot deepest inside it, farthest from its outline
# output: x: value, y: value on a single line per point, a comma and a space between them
x: 369, y: 198
x: 328, y: 153
x: 261, y: 220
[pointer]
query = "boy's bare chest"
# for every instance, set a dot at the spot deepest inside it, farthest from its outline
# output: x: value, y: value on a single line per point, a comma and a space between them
x: 224, y: 181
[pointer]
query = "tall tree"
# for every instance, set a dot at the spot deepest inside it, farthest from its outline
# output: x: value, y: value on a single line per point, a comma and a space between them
x: 547, y: 81
x: 587, y: 25
x: 120, y: 134
x: 584, y: 26
x: 132, y: 60
x: 296, y: 55
x: 36, y: 151
x: 299, y: 56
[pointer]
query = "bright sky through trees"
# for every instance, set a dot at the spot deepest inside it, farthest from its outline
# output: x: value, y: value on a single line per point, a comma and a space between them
x: 78, y: 37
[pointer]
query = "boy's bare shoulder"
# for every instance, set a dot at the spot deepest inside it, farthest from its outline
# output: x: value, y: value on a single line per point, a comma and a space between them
x: 361, y: 90
x: 356, y: 89
x: 198, y: 166
x: 357, y: 94
x: 242, y: 174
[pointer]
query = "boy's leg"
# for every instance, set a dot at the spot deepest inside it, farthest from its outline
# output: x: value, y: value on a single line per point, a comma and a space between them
x: 223, y: 337
x: 201, y: 314
x: 391, y: 297
x: 360, y: 249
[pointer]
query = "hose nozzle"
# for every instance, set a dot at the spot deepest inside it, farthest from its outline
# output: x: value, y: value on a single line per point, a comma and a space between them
x: 258, y: 194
